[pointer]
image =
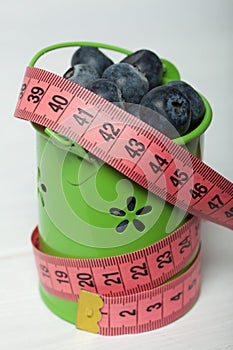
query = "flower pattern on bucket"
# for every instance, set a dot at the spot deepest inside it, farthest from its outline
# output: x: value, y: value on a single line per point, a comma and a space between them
x: 131, y: 205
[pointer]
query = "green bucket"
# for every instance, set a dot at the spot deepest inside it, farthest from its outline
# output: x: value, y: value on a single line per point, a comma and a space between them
x: 87, y: 209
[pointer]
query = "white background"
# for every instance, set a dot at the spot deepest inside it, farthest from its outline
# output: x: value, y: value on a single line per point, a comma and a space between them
x: 197, y: 37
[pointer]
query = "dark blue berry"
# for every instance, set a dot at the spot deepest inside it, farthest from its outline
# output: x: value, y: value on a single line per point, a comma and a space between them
x: 133, y: 108
x: 92, y: 56
x: 172, y: 109
x: 132, y: 83
x: 149, y: 64
x: 196, y: 103
x: 106, y: 89
x: 81, y: 74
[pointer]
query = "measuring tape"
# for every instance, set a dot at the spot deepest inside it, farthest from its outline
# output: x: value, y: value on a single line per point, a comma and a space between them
x: 126, y: 143
x: 128, y: 293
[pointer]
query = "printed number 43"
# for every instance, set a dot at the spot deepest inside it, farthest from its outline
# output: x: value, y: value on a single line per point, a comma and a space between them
x: 134, y: 148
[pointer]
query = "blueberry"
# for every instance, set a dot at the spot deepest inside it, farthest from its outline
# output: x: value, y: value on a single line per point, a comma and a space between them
x: 107, y: 89
x: 133, y: 108
x: 92, y: 56
x: 170, y: 104
x: 149, y: 64
x: 81, y: 74
x: 196, y: 103
x: 132, y: 83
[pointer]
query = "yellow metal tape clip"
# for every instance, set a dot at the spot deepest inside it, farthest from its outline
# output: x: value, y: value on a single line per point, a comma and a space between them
x: 88, y: 313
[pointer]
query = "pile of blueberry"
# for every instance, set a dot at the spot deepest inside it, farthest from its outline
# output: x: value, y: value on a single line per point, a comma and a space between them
x: 134, y: 84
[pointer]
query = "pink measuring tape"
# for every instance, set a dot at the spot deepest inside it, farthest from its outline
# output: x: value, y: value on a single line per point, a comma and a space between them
x: 129, y: 293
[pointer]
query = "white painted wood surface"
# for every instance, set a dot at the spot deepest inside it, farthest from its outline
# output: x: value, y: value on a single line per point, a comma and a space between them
x: 197, y: 37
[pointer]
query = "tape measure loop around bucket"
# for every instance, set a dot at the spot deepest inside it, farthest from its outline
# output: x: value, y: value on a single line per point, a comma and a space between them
x: 116, y: 292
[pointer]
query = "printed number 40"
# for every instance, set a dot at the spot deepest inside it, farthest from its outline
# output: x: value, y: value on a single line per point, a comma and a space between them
x: 58, y: 102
